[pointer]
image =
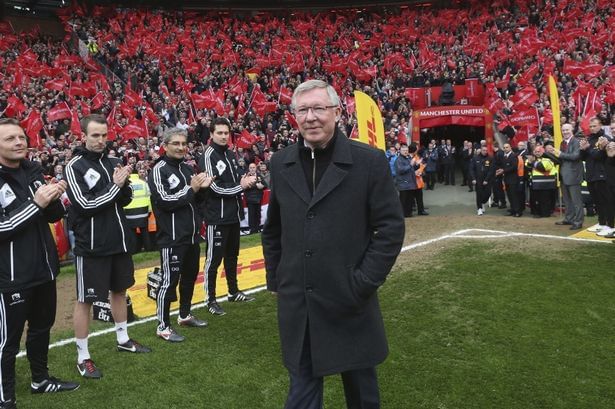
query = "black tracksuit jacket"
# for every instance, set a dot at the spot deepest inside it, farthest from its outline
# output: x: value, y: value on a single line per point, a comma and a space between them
x: 97, y: 204
x: 28, y: 255
x: 223, y: 204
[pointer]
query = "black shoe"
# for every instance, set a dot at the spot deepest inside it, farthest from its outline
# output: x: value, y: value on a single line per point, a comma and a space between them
x: 423, y: 214
x: 8, y: 404
x: 51, y: 385
x: 133, y: 346
x: 240, y: 297
x: 88, y: 369
x: 214, y: 308
x: 470, y: 190
x: 576, y: 227
x: 502, y: 206
x: 563, y: 223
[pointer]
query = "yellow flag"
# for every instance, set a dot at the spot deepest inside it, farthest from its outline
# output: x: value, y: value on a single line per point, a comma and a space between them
x: 369, y: 120
x: 554, y: 98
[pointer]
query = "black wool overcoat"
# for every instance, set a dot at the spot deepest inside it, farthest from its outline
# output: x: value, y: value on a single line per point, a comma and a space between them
x: 327, y: 254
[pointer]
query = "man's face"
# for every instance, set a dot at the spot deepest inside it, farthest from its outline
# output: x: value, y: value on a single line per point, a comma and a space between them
x: 613, y: 129
x: 96, y: 137
x: 13, y: 145
x: 252, y: 168
x: 404, y: 151
x: 567, y: 131
x: 521, y: 146
x: 220, y: 135
x: 176, y: 147
x: 317, y: 123
x: 483, y: 150
x: 594, y: 126
x: 507, y: 148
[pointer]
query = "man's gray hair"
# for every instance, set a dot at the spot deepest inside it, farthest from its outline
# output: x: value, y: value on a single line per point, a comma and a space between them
x: 169, y: 133
x: 313, y: 84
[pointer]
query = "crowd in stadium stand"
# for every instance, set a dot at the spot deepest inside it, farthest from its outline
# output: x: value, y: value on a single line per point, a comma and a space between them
x: 148, y: 70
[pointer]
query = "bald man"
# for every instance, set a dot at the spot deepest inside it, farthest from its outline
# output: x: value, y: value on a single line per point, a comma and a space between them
x: 571, y: 176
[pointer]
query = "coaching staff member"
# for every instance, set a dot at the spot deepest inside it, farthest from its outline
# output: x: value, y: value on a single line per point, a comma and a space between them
x: 28, y: 263
x: 223, y: 212
x: 175, y: 192
x: 334, y: 229
x: 98, y: 190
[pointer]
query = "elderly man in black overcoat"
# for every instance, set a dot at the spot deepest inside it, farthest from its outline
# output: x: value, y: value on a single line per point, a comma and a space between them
x: 334, y: 230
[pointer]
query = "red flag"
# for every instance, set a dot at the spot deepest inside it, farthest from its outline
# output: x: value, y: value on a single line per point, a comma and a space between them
x: 245, y: 140
x: 58, y: 112
x: 98, y: 101
x: 350, y: 104
x: 57, y: 84
x: 504, y: 82
x: 14, y: 106
x: 585, y: 121
x: 203, y: 102
x: 111, y: 125
x: 62, y: 243
x: 291, y: 120
x: 32, y: 126
x: 528, y: 117
x: 286, y: 95
x: 134, y: 129
x: 75, y: 126
x: 132, y: 98
x: 401, y: 136
x: 525, y: 97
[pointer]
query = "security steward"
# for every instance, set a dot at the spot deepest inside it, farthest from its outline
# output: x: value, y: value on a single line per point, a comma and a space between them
x: 544, y: 181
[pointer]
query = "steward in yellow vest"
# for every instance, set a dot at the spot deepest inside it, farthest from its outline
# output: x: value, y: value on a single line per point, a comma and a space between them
x: 544, y: 182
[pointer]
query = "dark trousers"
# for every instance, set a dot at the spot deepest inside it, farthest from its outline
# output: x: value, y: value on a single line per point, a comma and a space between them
x: 37, y: 305
x: 482, y: 194
x: 222, y: 243
x: 521, y: 195
x: 498, y: 192
x: 179, y: 265
x: 544, y: 202
x: 306, y: 390
x: 512, y: 191
x: 254, y: 217
x: 430, y: 180
x: 603, y: 199
x: 449, y: 173
x: 408, y: 198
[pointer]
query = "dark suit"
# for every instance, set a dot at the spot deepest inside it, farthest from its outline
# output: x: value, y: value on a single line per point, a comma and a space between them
x: 326, y: 254
x: 571, y: 175
x: 511, y: 181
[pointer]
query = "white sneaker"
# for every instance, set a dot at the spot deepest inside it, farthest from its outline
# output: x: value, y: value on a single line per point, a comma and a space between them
x: 489, y: 202
x: 605, y: 231
x: 480, y: 212
x: 596, y: 227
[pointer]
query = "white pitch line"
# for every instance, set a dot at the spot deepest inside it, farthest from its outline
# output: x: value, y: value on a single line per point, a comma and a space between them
x: 460, y: 234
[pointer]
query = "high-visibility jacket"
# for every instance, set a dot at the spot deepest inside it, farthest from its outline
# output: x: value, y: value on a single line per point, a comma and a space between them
x: 544, y: 174
x: 137, y: 211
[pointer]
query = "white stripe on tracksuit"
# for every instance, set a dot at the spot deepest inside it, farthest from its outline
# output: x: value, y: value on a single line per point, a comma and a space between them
x: 3, y: 338
x: 210, y: 253
x: 214, y: 187
x: 76, y: 190
x: 164, y: 285
x: 80, y: 283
